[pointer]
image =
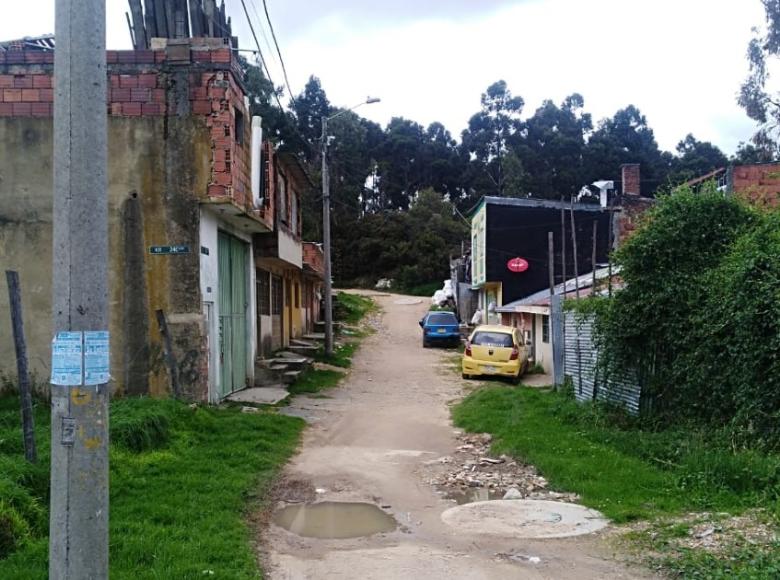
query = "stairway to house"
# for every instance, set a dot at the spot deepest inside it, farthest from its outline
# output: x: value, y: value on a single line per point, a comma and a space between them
x: 283, y: 369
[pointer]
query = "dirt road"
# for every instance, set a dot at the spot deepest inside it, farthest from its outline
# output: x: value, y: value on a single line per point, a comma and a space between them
x: 370, y: 442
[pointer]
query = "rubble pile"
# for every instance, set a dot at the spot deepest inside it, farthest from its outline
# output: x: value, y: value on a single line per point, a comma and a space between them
x: 472, y: 468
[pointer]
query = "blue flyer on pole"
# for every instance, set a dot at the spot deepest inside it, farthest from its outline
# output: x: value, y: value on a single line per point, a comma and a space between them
x: 96, y: 367
x: 66, y: 359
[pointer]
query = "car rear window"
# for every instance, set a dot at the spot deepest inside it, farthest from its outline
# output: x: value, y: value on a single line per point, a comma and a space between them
x: 492, y: 339
x: 442, y: 318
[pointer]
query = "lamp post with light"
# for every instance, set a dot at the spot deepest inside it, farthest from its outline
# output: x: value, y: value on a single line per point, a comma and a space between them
x: 326, y: 223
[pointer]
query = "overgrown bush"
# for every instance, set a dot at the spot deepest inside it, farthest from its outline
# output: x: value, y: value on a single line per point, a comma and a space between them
x: 699, y: 317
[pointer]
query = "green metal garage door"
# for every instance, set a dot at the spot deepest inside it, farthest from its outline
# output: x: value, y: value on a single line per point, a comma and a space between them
x: 233, y: 303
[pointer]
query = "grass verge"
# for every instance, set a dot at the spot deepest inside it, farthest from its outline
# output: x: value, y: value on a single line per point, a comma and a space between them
x: 351, y: 308
x: 315, y: 380
x: 182, y: 481
x: 631, y: 473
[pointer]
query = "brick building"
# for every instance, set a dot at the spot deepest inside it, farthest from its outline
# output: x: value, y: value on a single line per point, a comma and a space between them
x: 185, y: 225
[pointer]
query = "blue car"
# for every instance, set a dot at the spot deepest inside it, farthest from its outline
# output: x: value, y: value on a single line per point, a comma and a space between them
x: 440, y: 328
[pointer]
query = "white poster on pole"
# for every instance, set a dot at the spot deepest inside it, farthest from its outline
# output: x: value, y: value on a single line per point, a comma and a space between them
x: 96, y: 366
x: 66, y: 359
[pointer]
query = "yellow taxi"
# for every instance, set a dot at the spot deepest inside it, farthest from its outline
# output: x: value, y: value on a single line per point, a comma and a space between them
x: 496, y: 351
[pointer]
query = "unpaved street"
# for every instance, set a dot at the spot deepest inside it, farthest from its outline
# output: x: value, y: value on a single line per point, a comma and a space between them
x: 370, y: 441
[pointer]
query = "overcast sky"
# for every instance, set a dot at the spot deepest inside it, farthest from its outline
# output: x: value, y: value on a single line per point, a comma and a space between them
x: 680, y: 61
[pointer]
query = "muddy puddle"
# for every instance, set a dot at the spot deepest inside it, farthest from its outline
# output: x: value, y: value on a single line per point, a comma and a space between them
x: 473, y: 495
x: 334, y: 520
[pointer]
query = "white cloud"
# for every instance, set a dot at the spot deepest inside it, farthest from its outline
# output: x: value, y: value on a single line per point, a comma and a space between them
x: 679, y: 61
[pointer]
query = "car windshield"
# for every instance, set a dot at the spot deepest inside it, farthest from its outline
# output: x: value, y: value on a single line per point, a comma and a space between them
x: 442, y: 318
x: 492, y: 339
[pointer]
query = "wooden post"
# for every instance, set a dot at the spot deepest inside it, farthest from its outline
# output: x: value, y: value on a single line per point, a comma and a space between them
x: 551, y: 261
x: 593, y: 257
x: 170, y: 357
x: 611, y: 215
x: 563, y: 242
x: 28, y: 426
x: 576, y: 289
x: 574, y: 249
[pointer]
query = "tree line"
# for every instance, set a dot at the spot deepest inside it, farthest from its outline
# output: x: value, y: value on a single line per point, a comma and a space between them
x: 377, y: 173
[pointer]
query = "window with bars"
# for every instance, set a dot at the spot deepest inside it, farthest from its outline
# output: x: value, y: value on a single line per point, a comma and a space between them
x: 264, y: 292
x: 277, y: 300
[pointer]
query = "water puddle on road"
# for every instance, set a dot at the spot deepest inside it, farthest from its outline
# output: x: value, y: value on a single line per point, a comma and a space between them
x: 334, y: 520
x: 472, y: 495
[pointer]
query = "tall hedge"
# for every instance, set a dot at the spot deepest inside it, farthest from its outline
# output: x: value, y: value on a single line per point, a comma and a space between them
x: 700, y: 312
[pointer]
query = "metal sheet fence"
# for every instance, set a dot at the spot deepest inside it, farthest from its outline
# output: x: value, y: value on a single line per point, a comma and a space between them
x: 582, y: 365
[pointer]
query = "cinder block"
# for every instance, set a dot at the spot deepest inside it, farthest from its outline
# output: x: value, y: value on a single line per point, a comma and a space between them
x: 140, y: 95
x: 30, y: 95
x: 128, y: 81
x: 41, y: 82
x: 151, y: 109
x: 131, y: 109
x: 23, y: 81
x: 12, y: 95
x: 22, y: 109
x: 41, y: 109
x: 147, y: 81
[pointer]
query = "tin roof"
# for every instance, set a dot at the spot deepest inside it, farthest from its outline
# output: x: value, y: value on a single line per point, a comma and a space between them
x: 542, y: 298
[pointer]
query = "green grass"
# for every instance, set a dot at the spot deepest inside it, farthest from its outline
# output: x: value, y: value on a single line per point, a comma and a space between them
x: 631, y: 471
x: 351, y: 308
x: 314, y: 381
x: 182, y: 483
x: 620, y: 469
x: 342, y: 354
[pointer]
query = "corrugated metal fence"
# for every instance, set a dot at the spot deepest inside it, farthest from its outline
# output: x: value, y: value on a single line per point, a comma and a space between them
x: 582, y: 366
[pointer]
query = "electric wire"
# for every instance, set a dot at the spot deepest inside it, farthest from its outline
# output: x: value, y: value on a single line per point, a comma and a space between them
x: 279, y: 52
x: 260, y: 54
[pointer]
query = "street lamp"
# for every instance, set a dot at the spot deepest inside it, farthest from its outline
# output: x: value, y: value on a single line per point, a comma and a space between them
x: 326, y: 224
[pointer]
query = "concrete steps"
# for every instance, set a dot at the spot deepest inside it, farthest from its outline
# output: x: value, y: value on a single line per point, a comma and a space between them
x: 304, y: 350
x: 281, y: 369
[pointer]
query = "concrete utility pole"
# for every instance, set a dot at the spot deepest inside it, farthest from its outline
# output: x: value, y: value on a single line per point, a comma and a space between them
x: 326, y: 241
x: 78, y: 533
x: 326, y: 224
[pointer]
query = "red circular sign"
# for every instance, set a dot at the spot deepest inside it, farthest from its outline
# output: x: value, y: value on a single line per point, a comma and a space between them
x: 517, y: 265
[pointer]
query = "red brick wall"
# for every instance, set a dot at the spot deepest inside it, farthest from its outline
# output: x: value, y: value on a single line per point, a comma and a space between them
x: 630, y: 176
x: 141, y: 84
x: 758, y: 184
x: 312, y: 255
x: 632, y: 208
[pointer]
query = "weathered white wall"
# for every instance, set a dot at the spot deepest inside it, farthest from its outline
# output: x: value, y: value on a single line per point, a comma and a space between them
x: 290, y: 249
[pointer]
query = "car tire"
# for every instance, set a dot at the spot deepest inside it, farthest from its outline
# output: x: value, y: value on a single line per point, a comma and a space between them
x: 516, y: 379
x: 465, y: 376
x: 425, y: 343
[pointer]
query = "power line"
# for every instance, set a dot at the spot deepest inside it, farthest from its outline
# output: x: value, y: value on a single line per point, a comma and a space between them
x: 260, y: 54
x: 279, y: 52
x: 267, y: 43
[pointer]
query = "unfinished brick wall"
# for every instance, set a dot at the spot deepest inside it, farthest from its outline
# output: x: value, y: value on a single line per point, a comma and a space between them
x: 758, y: 184
x: 147, y: 83
x: 630, y: 177
x: 312, y: 255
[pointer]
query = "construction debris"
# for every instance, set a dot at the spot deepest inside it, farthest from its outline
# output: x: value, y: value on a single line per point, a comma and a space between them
x: 472, y: 466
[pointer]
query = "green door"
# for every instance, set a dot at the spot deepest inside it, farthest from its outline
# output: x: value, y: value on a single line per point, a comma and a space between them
x: 233, y: 305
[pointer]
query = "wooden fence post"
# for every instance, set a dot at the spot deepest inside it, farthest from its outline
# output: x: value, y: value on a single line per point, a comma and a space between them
x: 25, y: 396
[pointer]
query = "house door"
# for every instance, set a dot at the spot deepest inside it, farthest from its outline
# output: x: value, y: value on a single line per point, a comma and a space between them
x: 263, y: 311
x: 233, y: 339
x: 277, y: 307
